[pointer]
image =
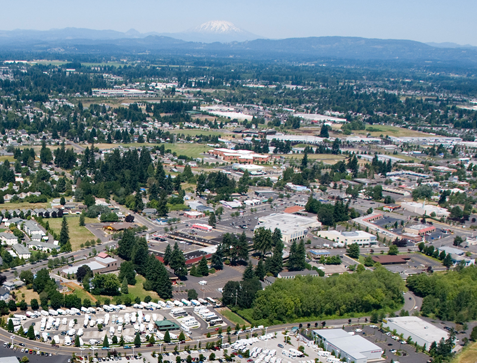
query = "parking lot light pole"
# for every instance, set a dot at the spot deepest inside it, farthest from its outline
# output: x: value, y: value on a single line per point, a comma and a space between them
x: 13, y: 337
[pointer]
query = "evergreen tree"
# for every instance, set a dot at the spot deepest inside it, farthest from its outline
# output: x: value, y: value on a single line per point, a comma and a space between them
x: 297, y: 259
x: 137, y: 340
x: 304, y: 161
x: 126, y: 244
x: 248, y: 274
x: 181, y: 336
x: 81, y: 220
x: 138, y: 203
x: 10, y: 326
x: 31, y: 333
x: 217, y: 259
x: 162, y: 208
x: 124, y: 287
x: 77, y: 341
x: 167, y: 337
x: 260, y: 270
x: 177, y: 262
x: 64, y: 233
x: 203, y: 268
x: 139, y: 255
x: 274, y: 264
x: 262, y: 240
x: 105, y: 342
x: 447, y: 261
x: 212, y: 220
x: 167, y: 255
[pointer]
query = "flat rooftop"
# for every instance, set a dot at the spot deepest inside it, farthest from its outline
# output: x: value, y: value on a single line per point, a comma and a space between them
x: 419, y: 327
x: 353, y: 345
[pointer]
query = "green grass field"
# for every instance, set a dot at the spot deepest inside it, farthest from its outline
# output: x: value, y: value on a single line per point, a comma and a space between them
x: 326, y: 158
x: 78, y: 235
x: 234, y: 318
x: 9, y: 158
x: 377, y: 130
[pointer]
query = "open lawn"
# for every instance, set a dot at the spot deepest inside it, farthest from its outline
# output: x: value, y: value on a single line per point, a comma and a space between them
x: 29, y: 295
x: 377, y: 130
x: 190, y: 150
x: 234, y: 318
x: 326, y: 158
x: 80, y: 292
x: 468, y: 355
x: 78, y: 235
x: 134, y: 291
x: 9, y: 158
x: 25, y: 205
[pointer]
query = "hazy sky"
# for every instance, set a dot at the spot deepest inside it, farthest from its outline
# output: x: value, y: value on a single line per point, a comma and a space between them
x: 422, y: 20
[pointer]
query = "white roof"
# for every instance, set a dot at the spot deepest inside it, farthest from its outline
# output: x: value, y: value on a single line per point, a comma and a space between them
x: 419, y: 327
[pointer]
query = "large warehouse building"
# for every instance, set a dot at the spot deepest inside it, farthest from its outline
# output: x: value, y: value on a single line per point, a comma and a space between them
x: 293, y: 227
x: 418, y: 329
x: 354, y: 348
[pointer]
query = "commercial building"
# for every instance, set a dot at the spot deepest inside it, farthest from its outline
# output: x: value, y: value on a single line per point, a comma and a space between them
x: 193, y: 215
x: 420, y: 331
x: 390, y: 259
x: 348, y: 238
x: 422, y: 209
x: 101, y: 264
x: 242, y: 156
x: 420, y: 229
x: 293, y: 227
x: 353, y: 348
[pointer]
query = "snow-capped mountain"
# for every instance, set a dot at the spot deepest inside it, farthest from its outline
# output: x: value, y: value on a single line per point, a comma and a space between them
x: 216, y: 31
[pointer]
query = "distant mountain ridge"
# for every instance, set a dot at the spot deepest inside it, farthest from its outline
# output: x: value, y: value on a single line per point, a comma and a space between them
x: 78, y: 40
x: 209, y: 32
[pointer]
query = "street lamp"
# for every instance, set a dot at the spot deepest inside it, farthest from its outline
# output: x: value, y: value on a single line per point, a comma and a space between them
x: 13, y: 337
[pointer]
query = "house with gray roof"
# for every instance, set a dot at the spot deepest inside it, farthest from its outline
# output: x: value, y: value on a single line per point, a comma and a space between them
x: 21, y: 251
x: 33, y: 230
x: 8, y: 238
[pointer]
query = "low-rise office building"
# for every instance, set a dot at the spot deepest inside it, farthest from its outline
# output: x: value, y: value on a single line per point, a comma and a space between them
x: 353, y: 348
x: 348, y: 238
x: 293, y: 227
x: 420, y: 331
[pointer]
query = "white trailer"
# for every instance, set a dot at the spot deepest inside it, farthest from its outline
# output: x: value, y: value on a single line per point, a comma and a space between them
x: 106, y: 319
x: 92, y: 322
x: 111, y: 330
x: 71, y: 332
x: 80, y: 332
x: 67, y: 340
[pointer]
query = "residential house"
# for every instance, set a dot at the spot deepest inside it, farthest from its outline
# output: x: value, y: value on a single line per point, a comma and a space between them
x: 8, y: 238
x: 4, y: 294
x: 21, y: 251
x: 33, y: 230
